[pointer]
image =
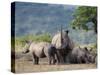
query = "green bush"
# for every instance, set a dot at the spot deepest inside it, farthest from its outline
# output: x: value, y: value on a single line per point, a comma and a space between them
x: 20, y: 41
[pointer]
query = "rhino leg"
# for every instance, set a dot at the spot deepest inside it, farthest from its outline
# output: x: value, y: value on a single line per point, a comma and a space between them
x: 35, y: 59
x: 79, y: 60
x: 53, y: 59
x: 57, y: 59
x: 64, y: 58
x: 50, y: 60
x: 86, y: 61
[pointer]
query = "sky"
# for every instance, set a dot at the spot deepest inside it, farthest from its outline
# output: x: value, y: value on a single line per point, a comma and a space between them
x: 37, y: 17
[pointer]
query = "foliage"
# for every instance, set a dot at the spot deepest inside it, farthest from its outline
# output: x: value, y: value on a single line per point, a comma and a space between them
x: 20, y: 41
x: 37, y: 38
x: 83, y: 15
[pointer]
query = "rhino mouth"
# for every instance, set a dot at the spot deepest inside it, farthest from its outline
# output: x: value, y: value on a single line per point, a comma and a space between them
x: 27, y: 51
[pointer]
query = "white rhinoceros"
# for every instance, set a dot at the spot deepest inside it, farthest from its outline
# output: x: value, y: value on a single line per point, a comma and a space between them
x: 41, y: 50
x: 63, y: 43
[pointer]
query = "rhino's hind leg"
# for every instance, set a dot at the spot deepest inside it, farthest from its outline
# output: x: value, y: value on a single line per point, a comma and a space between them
x: 37, y: 60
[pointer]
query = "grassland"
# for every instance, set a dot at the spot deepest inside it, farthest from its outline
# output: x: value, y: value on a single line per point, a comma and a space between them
x: 20, y: 41
x: 24, y: 63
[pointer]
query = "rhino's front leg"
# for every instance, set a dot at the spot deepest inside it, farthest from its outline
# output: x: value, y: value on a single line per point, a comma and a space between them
x: 64, y: 59
x: 57, y: 57
x: 49, y: 60
x: 86, y: 61
x: 35, y: 59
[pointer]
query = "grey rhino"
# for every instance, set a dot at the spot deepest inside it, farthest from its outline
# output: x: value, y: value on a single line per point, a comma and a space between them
x: 80, y: 55
x: 63, y: 43
x: 41, y: 50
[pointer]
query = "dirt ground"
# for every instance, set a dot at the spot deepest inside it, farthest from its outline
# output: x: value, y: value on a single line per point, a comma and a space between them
x: 24, y: 64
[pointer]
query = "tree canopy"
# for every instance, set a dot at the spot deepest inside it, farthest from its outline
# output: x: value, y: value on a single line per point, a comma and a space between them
x: 84, y: 15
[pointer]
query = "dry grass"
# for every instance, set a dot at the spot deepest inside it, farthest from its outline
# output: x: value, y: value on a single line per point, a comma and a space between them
x: 25, y: 66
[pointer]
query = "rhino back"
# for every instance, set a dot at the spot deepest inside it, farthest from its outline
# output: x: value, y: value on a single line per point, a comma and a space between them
x: 39, y: 48
x: 78, y: 52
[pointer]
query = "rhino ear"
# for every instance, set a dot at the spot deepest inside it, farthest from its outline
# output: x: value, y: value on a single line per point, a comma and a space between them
x: 67, y: 31
x: 26, y: 41
x: 85, y: 48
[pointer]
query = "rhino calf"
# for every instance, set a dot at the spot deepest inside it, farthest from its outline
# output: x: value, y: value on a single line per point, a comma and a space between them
x: 80, y: 55
x: 41, y: 50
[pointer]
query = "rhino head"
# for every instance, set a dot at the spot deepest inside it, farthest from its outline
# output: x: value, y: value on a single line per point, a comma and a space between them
x: 63, y: 33
x: 90, y: 57
x: 26, y: 47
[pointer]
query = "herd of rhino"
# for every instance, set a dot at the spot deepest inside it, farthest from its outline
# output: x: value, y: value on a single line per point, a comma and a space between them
x: 60, y: 51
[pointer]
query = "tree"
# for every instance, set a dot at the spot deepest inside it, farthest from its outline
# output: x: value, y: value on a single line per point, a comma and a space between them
x: 83, y: 15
